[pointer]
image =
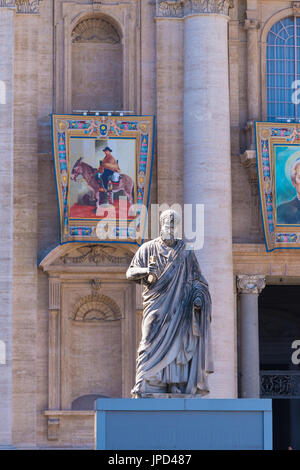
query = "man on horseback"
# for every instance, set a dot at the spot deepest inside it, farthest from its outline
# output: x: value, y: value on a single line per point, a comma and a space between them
x: 119, y: 182
x: 108, y: 169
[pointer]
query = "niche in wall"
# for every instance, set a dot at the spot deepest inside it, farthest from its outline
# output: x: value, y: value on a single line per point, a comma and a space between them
x: 97, y: 65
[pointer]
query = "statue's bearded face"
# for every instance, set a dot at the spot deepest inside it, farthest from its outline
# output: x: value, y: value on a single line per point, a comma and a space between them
x: 168, y: 229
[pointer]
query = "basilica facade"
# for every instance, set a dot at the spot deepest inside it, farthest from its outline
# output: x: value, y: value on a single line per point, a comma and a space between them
x: 203, y: 68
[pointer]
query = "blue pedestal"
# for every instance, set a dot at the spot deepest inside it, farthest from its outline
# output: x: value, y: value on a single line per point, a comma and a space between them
x: 183, y: 424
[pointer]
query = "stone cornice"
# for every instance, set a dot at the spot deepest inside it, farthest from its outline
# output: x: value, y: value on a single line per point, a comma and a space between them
x: 182, y: 8
x: 7, y: 3
x: 22, y: 6
x: 250, y: 283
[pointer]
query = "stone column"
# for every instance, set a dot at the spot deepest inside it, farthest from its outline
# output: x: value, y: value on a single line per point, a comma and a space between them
x: 25, y: 298
x: 169, y: 78
x: 249, y: 287
x: 6, y: 240
x: 207, y: 170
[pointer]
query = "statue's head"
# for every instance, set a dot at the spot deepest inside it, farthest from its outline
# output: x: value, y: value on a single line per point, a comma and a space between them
x: 169, y: 225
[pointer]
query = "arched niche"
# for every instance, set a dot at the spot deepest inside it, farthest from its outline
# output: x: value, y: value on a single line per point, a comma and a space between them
x: 122, y: 17
x: 97, y: 64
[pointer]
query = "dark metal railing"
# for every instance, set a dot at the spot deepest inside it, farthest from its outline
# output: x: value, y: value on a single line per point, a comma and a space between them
x: 280, y: 384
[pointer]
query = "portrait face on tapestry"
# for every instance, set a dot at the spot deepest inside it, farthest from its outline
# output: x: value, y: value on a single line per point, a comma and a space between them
x: 278, y: 169
x: 102, y: 171
x: 287, y: 184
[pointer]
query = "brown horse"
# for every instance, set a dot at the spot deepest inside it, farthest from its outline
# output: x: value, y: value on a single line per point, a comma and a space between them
x: 88, y: 173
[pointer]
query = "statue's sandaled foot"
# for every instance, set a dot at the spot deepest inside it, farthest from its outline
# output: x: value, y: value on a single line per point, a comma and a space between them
x: 175, y: 389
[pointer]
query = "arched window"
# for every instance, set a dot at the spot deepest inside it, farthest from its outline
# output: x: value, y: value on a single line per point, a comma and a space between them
x: 283, y: 70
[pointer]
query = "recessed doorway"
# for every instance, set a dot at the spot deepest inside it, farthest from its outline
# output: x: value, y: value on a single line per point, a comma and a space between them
x: 279, y: 327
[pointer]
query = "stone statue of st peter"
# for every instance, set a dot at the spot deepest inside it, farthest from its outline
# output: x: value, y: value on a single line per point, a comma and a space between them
x: 174, y: 355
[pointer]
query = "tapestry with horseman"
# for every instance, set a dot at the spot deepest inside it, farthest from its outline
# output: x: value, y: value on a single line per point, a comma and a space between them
x: 103, y: 172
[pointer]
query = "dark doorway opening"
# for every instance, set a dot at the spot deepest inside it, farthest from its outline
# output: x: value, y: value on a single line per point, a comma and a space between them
x: 279, y: 327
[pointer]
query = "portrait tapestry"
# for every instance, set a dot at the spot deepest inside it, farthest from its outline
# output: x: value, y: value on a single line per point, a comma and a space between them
x: 278, y: 167
x: 103, y: 168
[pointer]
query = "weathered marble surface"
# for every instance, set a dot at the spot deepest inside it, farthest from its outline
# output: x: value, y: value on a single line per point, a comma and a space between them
x: 175, y: 354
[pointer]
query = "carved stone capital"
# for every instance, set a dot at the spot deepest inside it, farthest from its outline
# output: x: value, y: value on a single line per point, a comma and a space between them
x: 296, y: 8
x: 181, y: 8
x: 250, y: 283
x: 250, y: 134
x: 220, y: 7
x: 7, y: 3
x: 251, y: 24
x: 248, y: 160
x: 54, y: 313
x: 170, y: 8
x: 22, y: 6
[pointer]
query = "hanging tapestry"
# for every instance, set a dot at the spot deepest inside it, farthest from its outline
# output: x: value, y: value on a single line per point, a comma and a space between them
x: 278, y: 167
x: 103, y: 170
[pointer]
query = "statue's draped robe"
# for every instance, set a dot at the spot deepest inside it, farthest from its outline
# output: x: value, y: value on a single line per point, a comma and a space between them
x: 176, y: 344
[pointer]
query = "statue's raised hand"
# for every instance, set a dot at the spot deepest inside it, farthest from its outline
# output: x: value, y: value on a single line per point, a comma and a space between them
x: 197, y: 302
x: 152, y: 270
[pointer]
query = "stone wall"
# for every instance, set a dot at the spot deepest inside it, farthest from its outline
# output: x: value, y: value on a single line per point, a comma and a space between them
x: 37, y: 48
x: 97, y: 76
x: 6, y: 240
x: 25, y: 294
